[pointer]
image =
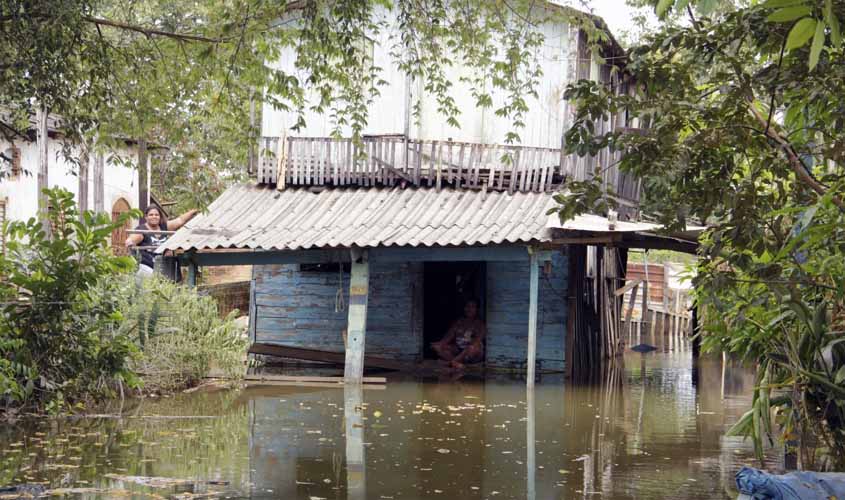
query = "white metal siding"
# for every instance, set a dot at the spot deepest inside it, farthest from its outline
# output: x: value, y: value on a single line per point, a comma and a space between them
x: 544, y: 122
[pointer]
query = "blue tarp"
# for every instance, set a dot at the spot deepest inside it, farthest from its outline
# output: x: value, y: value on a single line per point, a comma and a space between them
x: 761, y: 485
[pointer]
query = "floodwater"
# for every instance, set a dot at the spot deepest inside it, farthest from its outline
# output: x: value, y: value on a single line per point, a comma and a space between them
x: 652, y: 433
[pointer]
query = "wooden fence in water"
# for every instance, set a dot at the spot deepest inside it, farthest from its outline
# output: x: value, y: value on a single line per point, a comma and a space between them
x: 392, y: 160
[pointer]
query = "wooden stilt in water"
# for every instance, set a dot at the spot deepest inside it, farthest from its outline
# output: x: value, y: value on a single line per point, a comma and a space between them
x: 359, y: 285
x: 531, y: 446
x: 353, y: 412
x: 534, y: 277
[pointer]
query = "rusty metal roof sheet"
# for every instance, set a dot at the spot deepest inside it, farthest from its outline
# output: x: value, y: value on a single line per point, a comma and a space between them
x: 258, y: 217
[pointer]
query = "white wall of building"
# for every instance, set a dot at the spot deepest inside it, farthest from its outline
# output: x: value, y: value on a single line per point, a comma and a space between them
x: 21, y: 193
x: 544, y: 122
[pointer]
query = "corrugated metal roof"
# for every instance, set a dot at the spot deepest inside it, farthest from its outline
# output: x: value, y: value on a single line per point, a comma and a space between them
x: 259, y: 217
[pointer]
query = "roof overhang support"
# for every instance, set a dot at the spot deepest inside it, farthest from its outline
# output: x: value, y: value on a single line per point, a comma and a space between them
x: 535, y: 257
x: 508, y: 253
x: 359, y: 292
x: 645, y: 241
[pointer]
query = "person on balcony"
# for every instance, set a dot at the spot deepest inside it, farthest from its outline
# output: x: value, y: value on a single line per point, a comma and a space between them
x: 154, y: 220
x: 464, y: 342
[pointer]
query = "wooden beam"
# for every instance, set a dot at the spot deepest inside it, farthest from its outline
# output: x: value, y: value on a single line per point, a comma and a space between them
x: 629, y: 285
x: 338, y: 358
x: 658, y: 243
x: 356, y: 464
x: 534, y: 278
x: 604, y: 239
x: 359, y: 292
x: 42, y: 140
x: 260, y: 257
x: 631, y: 303
x: 510, y: 253
x: 531, y: 444
x: 192, y: 274
x: 82, y: 191
x: 99, y: 185
x: 316, y: 385
x: 312, y: 378
x: 143, y: 175
x: 233, y: 257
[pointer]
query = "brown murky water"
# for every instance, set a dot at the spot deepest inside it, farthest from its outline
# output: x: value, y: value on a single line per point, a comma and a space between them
x: 657, y: 433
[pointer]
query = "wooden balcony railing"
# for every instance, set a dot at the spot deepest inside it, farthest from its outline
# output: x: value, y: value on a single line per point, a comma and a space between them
x: 388, y: 161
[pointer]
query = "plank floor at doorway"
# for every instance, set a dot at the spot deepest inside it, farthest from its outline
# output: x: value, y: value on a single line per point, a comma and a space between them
x: 324, y: 356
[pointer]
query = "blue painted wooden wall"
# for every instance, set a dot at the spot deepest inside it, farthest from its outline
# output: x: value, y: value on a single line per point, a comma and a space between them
x: 507, y: 314
x: 297, y: 308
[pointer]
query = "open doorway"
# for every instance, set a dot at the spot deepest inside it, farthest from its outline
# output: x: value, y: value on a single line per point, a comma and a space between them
x: 448, y: 285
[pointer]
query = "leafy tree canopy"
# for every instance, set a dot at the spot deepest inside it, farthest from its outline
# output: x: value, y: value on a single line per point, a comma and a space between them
x: 182, y: 73
x: 736, y: 123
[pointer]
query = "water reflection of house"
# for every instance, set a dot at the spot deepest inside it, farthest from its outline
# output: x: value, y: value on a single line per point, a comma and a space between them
x: 391, y: 235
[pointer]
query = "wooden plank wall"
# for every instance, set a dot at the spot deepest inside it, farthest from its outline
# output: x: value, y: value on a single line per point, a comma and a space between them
x: 507, y: 314
x: 656, y: 278
x: 297, y: 309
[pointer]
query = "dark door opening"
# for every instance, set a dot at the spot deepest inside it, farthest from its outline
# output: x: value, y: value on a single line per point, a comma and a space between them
x: 448, y: 285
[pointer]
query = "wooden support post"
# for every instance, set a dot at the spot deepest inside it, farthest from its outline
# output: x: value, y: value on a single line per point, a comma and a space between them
x: 166, y: 266
x: 644, y: 319
x: 534, y: 277
x: 359, y: 290
x: 251, y: 158
x: 99, y: 185
x: 531, y: 446
x: 353, y: 412
x: 192, y: 274
x: 82, y: 191
x: 629, y: 314
x: 143, y: 175
x: 42, y: 139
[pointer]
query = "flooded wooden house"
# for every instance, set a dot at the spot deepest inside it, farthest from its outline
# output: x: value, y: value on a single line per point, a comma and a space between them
x: 370, y: 249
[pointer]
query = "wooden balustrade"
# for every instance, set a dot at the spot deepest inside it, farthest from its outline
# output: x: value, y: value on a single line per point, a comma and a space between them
x: 388, y: 161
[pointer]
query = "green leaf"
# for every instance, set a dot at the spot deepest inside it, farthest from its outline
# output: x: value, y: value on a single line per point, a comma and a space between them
x: 663, y: 6
x: 840, y: 376
x: 835, y: 32
x: 816, y: 47
x: 706, y: 7
x: 800, y: 34
x: 788, y: 14
x: 774, y: 4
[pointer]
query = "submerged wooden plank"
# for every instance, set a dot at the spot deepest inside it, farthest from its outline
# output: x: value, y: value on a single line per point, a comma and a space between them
x: 338, y: 358
x: 318, y: 385
x: 309, y: 378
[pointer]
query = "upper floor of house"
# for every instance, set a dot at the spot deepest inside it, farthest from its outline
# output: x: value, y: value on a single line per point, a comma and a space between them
x: 408, y: 140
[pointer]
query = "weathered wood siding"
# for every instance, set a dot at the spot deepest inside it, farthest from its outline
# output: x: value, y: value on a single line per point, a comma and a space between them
x: 507, y: 314
x: 297, y: 309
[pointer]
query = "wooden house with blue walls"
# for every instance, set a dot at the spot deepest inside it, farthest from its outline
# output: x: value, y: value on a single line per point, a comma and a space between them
x: 385, y: 238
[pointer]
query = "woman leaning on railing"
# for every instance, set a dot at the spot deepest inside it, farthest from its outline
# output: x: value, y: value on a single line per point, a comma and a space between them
x: 153, y: 230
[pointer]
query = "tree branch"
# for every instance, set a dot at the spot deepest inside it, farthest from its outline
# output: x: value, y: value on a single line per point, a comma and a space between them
x: 150, y: 32
x: 794, y: 161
